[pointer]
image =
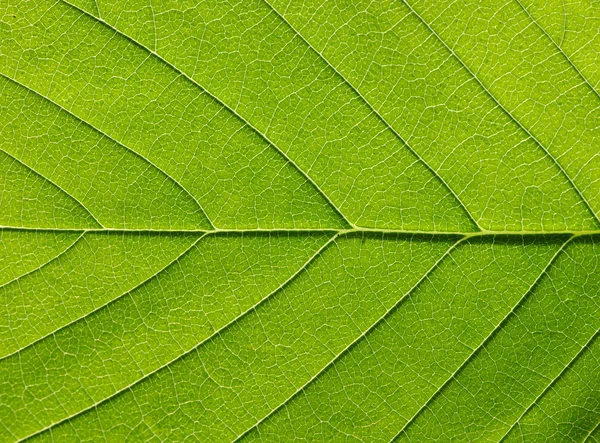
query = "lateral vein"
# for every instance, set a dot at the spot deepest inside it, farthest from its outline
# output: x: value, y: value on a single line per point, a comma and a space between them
x: 364, y: 334
x: 508, y: 113
x: 104, y: 134
x: 570, y: 364
x: 43, y: 265
x: 109, y: 302
x: 379, y: 116
x: 485, y: 341
x: 589, y: 434
x: 55, y: 185
x: 558, y: 47
x: 216, y: 333
x: 221, y: 103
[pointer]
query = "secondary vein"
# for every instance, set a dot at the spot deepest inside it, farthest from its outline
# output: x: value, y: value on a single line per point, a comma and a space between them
x: 589, y: 435
x: 558, y: 47
x: 364, y: 334
x: 379, y: 116
x: 215, y: 333
x: 43, y: 265
x: 224, y: 105
x: 507, y: 112
x: 109, y: 302
x: 482, y: 345
x: 570, y: 364
x: 104, y: 134
x: 56, y: 185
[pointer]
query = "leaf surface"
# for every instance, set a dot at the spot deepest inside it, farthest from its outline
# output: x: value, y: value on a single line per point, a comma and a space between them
x: 317, y: 221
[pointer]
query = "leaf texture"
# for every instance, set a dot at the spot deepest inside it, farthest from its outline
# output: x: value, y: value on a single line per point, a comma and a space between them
x: 275, y: 220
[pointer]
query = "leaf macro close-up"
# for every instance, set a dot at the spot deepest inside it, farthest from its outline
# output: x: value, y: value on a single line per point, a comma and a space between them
x: 300, y: 220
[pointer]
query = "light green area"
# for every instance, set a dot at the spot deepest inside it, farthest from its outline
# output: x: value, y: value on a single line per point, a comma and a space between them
x: 567, y: 409
x: 573, y: 26
x: 95, y: 271
x: 443, y: 113
x: 23, y: 252
x: 529, y: 77
x: 31, y: 201
x: 101, y: 175
x: 135, y: 18
x: 276, y: 220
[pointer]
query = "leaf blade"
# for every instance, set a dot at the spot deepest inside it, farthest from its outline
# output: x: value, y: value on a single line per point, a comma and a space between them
x: 275, y: 220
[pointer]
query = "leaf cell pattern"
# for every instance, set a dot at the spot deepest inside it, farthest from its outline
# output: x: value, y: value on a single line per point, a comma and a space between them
x: 276, y: 220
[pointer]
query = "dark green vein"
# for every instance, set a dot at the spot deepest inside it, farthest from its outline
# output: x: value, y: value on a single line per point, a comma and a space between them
x: 103, y: 134
x: 482, y: 345
x: 378, y: 115
x: 215, y: 334
x: 508, y: 113
x: 585, y: 347
x: 56, y: 186
x: 110, y: 302
x: 220, y: 102
x: 357, y: 340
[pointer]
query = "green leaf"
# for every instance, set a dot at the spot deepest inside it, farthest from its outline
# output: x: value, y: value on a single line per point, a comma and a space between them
x: 277, y: 220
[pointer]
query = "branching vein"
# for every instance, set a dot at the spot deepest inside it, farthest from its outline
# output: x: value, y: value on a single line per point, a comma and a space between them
x: 508, y: 113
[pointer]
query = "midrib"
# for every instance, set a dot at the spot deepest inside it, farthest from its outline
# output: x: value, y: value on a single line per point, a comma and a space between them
x: 467, y: 234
